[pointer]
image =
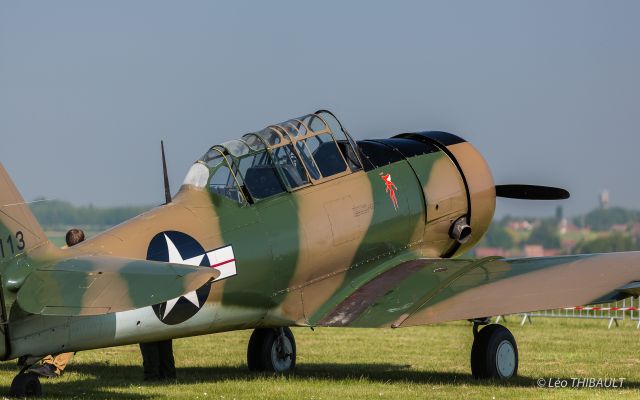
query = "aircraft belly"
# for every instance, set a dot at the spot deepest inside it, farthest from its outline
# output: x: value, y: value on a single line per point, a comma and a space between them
x: 40, y: 335
x: 143, y: 324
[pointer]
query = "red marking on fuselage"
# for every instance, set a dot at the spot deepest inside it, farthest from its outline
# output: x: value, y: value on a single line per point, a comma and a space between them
x: 223, y: 263
x: 391, y: 189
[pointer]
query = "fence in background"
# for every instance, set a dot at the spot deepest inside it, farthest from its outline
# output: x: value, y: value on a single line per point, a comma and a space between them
x: 613, y: 312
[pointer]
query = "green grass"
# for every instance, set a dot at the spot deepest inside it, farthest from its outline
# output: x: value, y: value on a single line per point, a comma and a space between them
x: 408, y: 363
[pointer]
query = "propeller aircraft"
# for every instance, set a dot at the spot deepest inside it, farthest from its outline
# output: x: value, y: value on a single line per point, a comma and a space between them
x: 295, y: 225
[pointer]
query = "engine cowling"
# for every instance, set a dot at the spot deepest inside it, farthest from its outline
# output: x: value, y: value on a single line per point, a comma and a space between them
x: 460, y: 196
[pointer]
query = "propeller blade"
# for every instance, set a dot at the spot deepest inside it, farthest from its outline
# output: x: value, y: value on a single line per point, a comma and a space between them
x: 531, y: 192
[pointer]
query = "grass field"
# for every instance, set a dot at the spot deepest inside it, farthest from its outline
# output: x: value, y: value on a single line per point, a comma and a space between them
x: 408, y: 363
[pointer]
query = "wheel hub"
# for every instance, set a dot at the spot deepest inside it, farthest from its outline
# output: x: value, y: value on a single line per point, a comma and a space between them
x: 505, y: 359
x: 281, y: 354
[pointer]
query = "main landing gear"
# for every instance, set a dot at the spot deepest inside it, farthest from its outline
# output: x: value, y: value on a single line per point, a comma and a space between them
x: 272, y: 350
x: 494, y: 354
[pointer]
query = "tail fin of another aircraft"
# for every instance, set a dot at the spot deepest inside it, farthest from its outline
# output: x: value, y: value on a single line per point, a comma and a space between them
x: 19, y: 229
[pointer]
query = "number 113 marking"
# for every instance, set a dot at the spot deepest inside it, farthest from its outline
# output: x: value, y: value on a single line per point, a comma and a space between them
x: 10, y: 246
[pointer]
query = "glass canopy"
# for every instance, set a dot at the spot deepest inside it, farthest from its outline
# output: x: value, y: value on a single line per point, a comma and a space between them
x: 282, y: 157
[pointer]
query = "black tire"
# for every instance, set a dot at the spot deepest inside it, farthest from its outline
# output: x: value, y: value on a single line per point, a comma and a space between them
x: 494, y: 354
x: 26, y: 385
x: 266, y: 352
x: 254, y: 349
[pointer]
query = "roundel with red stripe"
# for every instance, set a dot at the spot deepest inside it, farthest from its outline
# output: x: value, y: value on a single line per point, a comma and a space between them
x: 180, y: 248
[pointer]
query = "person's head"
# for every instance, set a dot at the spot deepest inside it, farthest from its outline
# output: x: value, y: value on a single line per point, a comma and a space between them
x: 74, y: 236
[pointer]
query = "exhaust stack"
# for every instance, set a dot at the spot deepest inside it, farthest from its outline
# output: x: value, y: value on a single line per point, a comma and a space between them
x: 460, y: 230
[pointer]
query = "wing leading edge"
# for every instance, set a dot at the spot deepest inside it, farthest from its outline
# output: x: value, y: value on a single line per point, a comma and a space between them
x: 428, y: 291
x: 97, y: 285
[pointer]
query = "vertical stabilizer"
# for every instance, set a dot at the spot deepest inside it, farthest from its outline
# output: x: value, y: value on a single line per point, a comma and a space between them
x: 19, y: 229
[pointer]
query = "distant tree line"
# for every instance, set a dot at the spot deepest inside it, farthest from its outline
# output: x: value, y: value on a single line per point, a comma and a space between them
x: 56, y: 214
x: 498, y: 237
x: 545, y: 232
x: 601, y: 219
x: 614, y: 242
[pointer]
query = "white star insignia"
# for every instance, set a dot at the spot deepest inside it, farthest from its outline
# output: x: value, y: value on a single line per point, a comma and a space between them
x: 176, y: 257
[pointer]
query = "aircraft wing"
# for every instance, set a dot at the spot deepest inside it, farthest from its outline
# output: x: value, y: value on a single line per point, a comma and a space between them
x: 428, y: 291
x: 94, y: 285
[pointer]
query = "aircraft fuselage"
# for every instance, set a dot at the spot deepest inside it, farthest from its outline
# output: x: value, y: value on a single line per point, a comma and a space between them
x: 297, y: 254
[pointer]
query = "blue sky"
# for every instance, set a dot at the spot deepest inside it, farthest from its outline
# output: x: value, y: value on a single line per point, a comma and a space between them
x: 549, y: 92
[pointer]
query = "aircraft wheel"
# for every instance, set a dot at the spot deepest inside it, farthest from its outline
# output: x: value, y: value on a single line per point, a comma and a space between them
x: 272, y: 350
x: 26, y: 385
x: 254, y: 349
x: 494, y: 353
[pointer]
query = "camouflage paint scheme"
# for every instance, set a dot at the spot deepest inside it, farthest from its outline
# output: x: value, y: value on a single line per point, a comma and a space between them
x: 334, y: 253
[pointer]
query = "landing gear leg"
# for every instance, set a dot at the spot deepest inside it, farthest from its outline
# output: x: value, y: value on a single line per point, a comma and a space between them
x: 26, y: 384
x: 271, y: 349
x: 494, y: 354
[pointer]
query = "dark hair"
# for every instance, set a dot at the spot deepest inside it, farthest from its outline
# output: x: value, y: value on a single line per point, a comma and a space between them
x: 74, y: 236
